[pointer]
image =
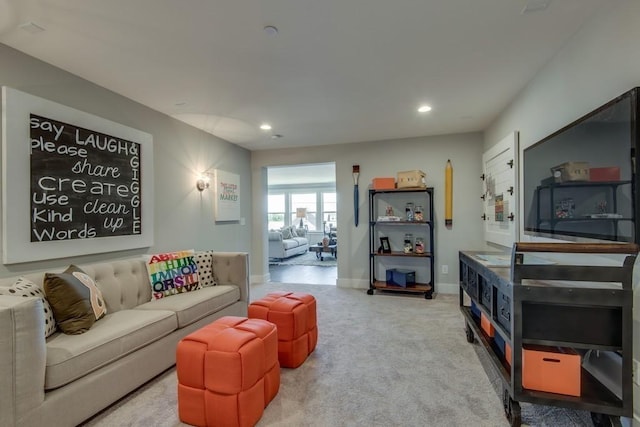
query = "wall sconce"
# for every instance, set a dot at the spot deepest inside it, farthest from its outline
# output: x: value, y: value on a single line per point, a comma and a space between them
x: 202, y: 183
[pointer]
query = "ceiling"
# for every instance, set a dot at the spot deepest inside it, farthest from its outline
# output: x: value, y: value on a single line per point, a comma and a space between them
x: 337, y: 71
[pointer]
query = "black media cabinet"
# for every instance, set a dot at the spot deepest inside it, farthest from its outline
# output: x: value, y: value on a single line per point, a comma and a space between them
x: 566, y: 302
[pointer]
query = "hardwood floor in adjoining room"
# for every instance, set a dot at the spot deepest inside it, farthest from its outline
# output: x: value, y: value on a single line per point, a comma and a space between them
x: 307, y: 274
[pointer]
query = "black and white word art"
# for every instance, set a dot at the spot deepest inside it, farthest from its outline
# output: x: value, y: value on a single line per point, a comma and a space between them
x: 73, y: 183
x: 84, y: 184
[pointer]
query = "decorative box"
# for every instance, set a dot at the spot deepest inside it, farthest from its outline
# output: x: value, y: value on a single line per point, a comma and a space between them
x: 486, y: 325
x: 571, y: 171
x: 412, y: 179
x: 398, y: 277
x: 604, y: 174
x: 551, y: 369
x: 383, y: 183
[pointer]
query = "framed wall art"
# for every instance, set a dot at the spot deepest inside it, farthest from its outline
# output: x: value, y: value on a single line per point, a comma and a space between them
x: 227, y: 196
x: 73, y: 183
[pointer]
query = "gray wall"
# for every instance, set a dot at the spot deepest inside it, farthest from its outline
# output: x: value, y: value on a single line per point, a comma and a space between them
x: 183, y: 216
x: 601, y: 62
x: 381, y: 159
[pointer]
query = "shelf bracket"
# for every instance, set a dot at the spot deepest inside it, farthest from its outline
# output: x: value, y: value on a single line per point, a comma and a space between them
x: 511, y: 217
x: 510, y: 190
x: 484, y: 217
x: 482, y: 177
x: 510, y: 163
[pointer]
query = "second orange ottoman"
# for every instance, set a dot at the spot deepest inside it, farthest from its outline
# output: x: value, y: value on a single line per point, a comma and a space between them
x: 228, y: 372
x: 294, y: 314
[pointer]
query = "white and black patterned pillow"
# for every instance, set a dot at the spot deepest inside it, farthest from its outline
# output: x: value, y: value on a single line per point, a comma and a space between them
x: 204, y: 261
x: 26, y: 288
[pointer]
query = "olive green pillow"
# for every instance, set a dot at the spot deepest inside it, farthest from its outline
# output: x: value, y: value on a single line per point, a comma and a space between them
x: 75, y: 299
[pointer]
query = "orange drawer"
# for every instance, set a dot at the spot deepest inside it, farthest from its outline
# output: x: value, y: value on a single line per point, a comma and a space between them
x: 551, y: 369
x: 507, y: 353
x: 486, y: 325
x: 383, y: 183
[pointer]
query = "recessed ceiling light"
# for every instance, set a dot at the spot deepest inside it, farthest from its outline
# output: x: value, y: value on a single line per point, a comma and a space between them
x: 276, y: 136
x: 270, y: 30
x: 265, y: 126
x: 424, y: 108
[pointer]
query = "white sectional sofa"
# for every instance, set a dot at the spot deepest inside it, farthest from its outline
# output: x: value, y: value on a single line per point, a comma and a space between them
x: 65, y: 379
x: 284, y: 243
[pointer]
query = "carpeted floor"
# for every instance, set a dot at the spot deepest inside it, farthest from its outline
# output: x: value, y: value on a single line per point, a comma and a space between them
x: 307, y: 258
x: 382, y: 360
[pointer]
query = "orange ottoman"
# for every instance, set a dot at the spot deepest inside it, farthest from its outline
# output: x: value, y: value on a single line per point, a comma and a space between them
x: 294, y: 314
x: 228, y: 372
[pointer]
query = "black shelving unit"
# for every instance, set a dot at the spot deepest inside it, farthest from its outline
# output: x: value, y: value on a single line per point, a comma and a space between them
x: 397, y: 199
x: 583, y: 307
x: 547, y: 220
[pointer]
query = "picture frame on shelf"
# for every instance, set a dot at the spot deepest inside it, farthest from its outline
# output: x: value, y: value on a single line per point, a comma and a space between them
x: 384, y: 244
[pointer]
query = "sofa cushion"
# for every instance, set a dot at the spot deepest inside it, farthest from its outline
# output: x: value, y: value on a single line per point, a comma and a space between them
x: 26, y: 288
x: 193, y: 306
x: 75, y: 299
x: 172, y: 273
x: 301, y: 240
x: 206, y: 275
x: 71, y: 356
x: 289, y: 244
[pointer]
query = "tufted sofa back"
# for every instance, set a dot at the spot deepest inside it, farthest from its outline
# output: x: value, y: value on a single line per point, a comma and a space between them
x: 124, y: 284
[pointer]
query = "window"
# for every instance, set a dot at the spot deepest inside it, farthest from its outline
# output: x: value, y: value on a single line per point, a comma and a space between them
x: 329, y: 211
x: 275, y: 211
x: 321, y: 209
x: 308, y: 202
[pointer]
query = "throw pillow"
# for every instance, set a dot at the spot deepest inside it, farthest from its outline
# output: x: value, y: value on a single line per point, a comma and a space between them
x: 172, y: 273
x: 286, y: 233
x: 206, y: 275
x: 75, y: 299
x: 26, y: 288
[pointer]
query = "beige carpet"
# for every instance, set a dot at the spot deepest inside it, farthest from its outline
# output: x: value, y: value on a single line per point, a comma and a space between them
x: 381, y: 360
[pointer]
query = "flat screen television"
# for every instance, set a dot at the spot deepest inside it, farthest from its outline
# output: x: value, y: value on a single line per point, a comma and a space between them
x: 580, y: 183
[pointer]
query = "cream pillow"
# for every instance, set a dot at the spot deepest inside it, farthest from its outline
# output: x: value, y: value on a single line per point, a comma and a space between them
x: 206, y: 275
x: 286, y: 233
x: 26, y: 288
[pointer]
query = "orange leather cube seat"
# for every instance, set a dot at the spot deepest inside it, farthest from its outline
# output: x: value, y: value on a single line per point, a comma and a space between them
x: 294, y: 313
x: 228, y: 372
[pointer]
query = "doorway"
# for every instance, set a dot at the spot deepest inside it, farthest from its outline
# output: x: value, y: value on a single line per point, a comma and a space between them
x: 302, y: 210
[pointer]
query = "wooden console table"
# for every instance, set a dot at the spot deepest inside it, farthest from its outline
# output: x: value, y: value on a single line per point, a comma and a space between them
x: 320, y: 250
x: 584, y: 307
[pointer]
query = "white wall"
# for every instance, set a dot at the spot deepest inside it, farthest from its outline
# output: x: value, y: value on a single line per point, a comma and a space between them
x: 379, y: 159
x: 601, y: 62
x: 183, y: 216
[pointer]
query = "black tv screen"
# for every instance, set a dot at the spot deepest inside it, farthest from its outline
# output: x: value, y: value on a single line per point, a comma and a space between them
x: 580, y: 183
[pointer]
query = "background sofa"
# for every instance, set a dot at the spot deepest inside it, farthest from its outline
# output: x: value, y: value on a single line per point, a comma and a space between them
x: 65, y: 379
x: 287, y: 242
